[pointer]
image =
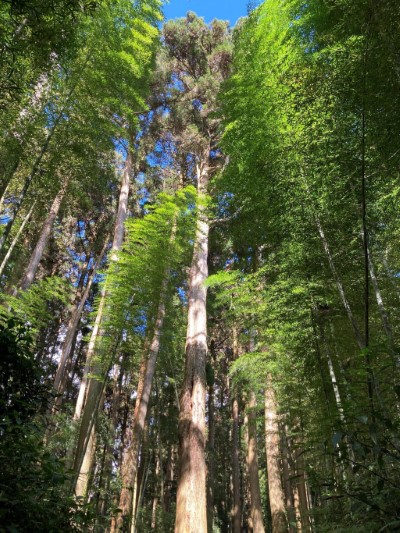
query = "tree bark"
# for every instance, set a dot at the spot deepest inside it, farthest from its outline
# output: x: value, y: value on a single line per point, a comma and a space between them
x: 289, y: 497
x: 191, y: 513
x: 236, y: 512
x: 357, y: 333
x: 43, y: 239
x: 211, y: 458
x: 236, y: 507
x: 16, y: 238
x: 276, y: 496
x: 252, y: 466
x: 59, y: 384
x: 82, y: 481
x: 92, y: 389
x: 130, y: 458
x: 302, y: 490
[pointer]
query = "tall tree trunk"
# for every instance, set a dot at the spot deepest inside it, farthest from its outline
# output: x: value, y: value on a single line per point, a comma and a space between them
x: 29, y: 179
x: 211, y: 458
x: 82, y: 481
x: 59, y: 382
x: 289, y: 498
x: 191, y: 512
x: 302, y: 489
x: 382, y: 309
x: 236, y: 501
x: 16, y: 238
x: 92, y: 389
x: 252, y: 466
x: 130, y: 458
x: 236, y: 507
x: 276, y: 496
x: 43, y: 239
x: 357, y: 333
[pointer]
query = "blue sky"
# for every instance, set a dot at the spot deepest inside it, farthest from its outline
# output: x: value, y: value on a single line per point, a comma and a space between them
x: 209, y: 9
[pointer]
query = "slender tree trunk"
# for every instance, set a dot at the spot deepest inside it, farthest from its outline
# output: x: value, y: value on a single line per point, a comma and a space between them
x: 236, y: 512
x: 276, y: 495
x: 43, y: 239
x: 28, y: 181
x: 119, y: 371
x: 289, y: 499
x: 59, y: 382
x: 302, y: 490
x: 130, y: 458
x: 252, y: 466
x: 92, y: 389
x: 236, y: 507
x: 211, y: 458
x: 191, y: 512
x: 155, y: 498
x: 357, y: 333
x: 381, y: 306
x: 16, y: 239
x: 82, y: 481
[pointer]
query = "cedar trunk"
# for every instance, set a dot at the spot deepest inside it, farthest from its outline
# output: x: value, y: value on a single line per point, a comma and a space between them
x: 276, y: 496
x: 130, y: 458
x: 252, y: 466
x: 191, y: 512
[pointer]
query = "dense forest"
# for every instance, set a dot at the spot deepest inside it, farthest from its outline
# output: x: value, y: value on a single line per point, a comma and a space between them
x: 199, y: 268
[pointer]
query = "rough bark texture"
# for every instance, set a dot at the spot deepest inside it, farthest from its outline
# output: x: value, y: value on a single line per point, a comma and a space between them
x: 252, y: 466
x: 276, y: 496
x: 43, y: 240
x: 191, y: 513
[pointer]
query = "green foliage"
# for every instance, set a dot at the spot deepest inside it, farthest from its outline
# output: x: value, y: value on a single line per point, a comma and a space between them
x: 37, y: 306
x: 33, y: 481
x: 157, y: 246
x: 305, y: 124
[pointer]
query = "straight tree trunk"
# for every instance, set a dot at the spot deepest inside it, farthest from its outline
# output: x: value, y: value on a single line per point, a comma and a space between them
x: 28, y: 181
x: 59, y: 381
x: 302, y: 490
x: 130, y: 458
x: 191, y: 508
x: 276, y: 495
x: 37, y: 253
x: 289, y: 498
x: 379, y: 299
x: 82, y: 481
x: 357, y: 334
x: 236, y: 507
x: 211, y: 458
x: 92, y: 389
x: 236, y: 501
x: 252, y: 467
x: 16, y: 239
